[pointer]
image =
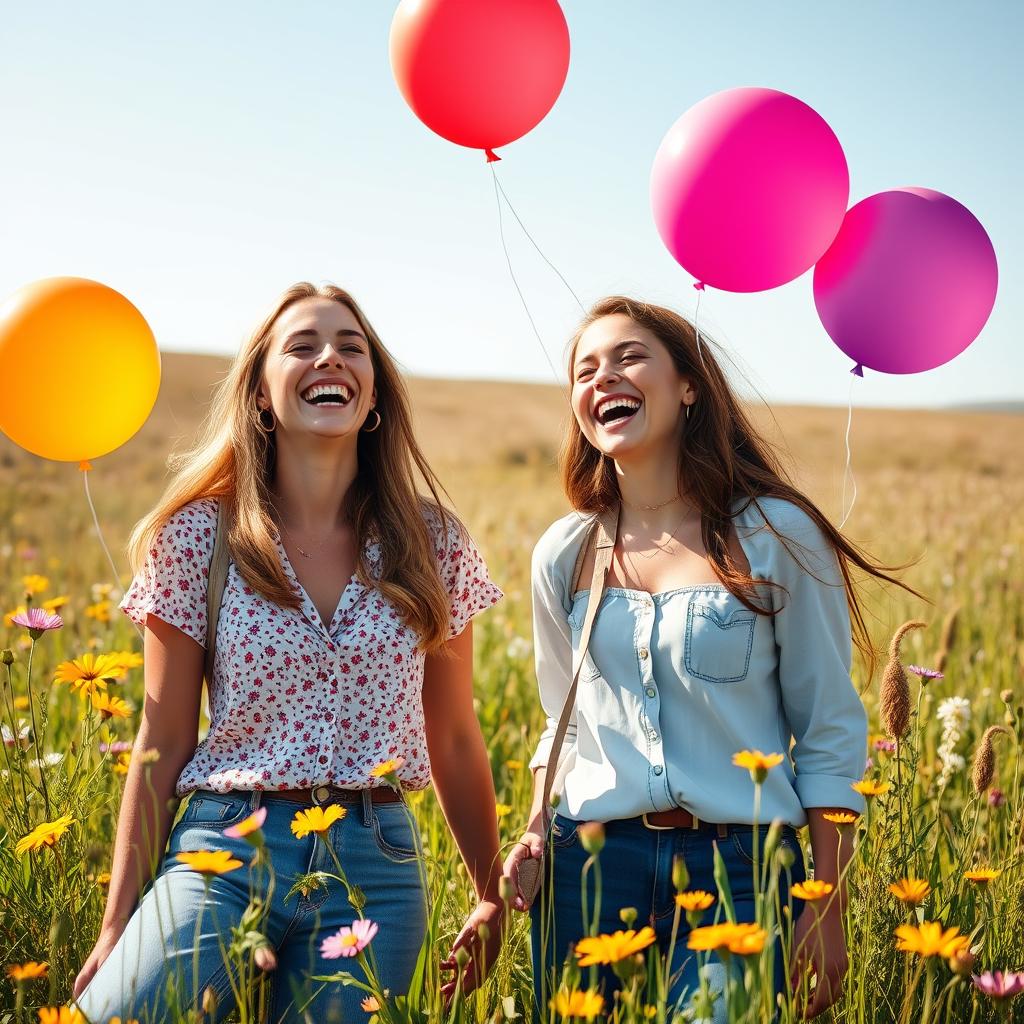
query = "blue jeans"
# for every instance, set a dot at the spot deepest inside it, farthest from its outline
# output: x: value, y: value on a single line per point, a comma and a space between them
x: 636, y: 871
x: 378, y: 849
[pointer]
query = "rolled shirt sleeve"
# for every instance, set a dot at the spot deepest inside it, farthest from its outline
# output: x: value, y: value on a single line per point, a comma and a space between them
x: 552, y: 640
x: 465, y: 577
x: 813, y: 637
x: 172, y: 582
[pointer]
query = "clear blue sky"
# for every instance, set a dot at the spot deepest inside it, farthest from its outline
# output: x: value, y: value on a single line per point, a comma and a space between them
x: 200, y: 157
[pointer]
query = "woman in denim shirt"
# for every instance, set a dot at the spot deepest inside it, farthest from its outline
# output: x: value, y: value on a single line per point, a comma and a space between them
x: 725, y: 625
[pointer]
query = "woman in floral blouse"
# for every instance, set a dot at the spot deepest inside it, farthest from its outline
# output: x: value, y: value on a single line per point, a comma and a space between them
x: 316, y: 684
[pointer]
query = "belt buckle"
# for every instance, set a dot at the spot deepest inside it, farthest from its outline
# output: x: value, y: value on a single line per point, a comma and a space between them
x: 320, y: 795
x: 655, y: 828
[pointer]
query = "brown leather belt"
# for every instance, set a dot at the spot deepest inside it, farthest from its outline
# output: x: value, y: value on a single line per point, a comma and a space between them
x: 679, y: 817
x: 318, y: 795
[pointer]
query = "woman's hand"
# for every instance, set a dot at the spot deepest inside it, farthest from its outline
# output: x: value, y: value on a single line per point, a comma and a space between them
x: 104, y: 944
x: 530, y: 845
x: 482, y: 952
x: 820, y: 945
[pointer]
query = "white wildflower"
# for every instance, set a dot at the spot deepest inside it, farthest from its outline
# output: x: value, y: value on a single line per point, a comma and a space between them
x: 519, y: 647
x: 24, y: 737
x: 954, y: 713
x: 48, y: 760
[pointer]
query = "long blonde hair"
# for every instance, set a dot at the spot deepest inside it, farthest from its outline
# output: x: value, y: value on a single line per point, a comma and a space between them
x: 233, y: 460
x: 722, y: 458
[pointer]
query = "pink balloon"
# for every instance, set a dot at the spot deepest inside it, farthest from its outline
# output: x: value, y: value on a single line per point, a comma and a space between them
x: 908, y: 283
x: 749, y: 188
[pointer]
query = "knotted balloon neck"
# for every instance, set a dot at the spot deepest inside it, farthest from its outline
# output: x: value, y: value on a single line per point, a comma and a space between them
x: 491, y: 156
x: 699, y: 286
x: 858, y: 370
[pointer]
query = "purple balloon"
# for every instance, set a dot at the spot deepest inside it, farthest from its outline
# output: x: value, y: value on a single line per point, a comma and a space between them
x: 908, y: 283
x: 748, y: 189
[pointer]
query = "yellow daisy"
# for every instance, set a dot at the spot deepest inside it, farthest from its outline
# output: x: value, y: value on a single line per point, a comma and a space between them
x: 930, y: 939
x: 696, y: 900
x: 46, y: 834
x: 757, y: 763
x: 55, y: 603
x: 316, y: 819
x: 386, y: 768
x: 210, y: 862
x: 811, y: 890
x: 120, y: 766
x: 90, y: 672
x: 841, y: 817
x: 503, y: 810
x: 24, y: 972
x: 127, y: 659
x: 100, y: 611
x: 982, y: 875
x: 743, y: 939
x: 870, y: 788
x: 60, y: 1015
x: 910, y: 890
x: 110, y: 707
x: 35, y: 584
x: 578, y: 1004
x: 609, y: 949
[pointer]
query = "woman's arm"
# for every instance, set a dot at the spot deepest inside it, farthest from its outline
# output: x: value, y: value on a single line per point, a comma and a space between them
x: 461, y: 773
x: 819, y: 941
x: 170, y: 724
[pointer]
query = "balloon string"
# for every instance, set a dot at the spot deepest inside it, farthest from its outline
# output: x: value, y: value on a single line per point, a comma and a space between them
x: 522, y: 298
x: 848, y: 469
x: 540, y: 252
x: 84, y: 466
x: 696, y: 324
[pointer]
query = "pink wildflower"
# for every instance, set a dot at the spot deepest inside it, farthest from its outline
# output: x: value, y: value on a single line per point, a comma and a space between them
x: 349, y: 941
x: 37, y: 621
x: 999, y: 984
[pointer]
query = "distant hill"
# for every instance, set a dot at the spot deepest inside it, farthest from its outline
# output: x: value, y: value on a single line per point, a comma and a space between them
x: 1009, y: 405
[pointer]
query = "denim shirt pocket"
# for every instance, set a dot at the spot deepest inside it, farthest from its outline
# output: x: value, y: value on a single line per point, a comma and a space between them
x: 589, y: 669
x: 718, y: 642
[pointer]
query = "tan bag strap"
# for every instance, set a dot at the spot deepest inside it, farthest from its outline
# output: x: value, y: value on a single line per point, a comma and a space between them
x: 605, y: 530
x: 215, y: 586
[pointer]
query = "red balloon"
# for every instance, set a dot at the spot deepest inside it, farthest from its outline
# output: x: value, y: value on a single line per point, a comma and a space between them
x: 480, y: 73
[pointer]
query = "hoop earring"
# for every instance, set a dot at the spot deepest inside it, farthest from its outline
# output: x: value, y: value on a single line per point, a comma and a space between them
x: 687, y: 412
x: 261, y: 423
x: 370, y: 430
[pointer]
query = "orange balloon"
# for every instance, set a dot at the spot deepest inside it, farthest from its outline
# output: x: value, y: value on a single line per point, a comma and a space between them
x: 79, y: 369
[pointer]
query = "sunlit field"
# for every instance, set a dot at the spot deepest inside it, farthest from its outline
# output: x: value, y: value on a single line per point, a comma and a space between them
x: 937, y: 883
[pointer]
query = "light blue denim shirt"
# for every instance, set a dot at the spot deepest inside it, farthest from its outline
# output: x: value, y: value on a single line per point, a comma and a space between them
x: 675, y: 683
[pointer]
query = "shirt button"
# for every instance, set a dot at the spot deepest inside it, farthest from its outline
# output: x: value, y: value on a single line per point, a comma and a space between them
x: 653, y: 734
x: 643, y: 653
x: 658, y: 769
x: 650, y: 691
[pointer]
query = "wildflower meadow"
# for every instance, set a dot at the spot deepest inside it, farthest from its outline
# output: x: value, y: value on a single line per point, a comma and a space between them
x: 934, y: 918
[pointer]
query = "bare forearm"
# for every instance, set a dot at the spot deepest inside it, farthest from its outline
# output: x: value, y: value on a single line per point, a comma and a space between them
x: 143, y: 825
x: 536, y: 822
x: 832, y: 849
x: 462, y: 781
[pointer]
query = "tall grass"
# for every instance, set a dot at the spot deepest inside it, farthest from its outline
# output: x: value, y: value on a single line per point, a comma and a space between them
x: 947, y: 489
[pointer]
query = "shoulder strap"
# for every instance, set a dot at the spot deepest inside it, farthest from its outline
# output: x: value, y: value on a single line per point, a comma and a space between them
x: 605, y: 530
x: 215, y: 585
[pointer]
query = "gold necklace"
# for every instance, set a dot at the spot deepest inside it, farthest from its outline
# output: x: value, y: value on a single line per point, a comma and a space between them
x: 664, y: 550
x: 650, y: 508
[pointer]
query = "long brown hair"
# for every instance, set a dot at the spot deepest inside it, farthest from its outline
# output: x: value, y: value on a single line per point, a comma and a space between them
x: 234, y: 461
x: 722, y: 459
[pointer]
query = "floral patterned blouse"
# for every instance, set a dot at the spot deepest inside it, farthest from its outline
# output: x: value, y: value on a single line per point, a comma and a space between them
x: 295, y: 704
